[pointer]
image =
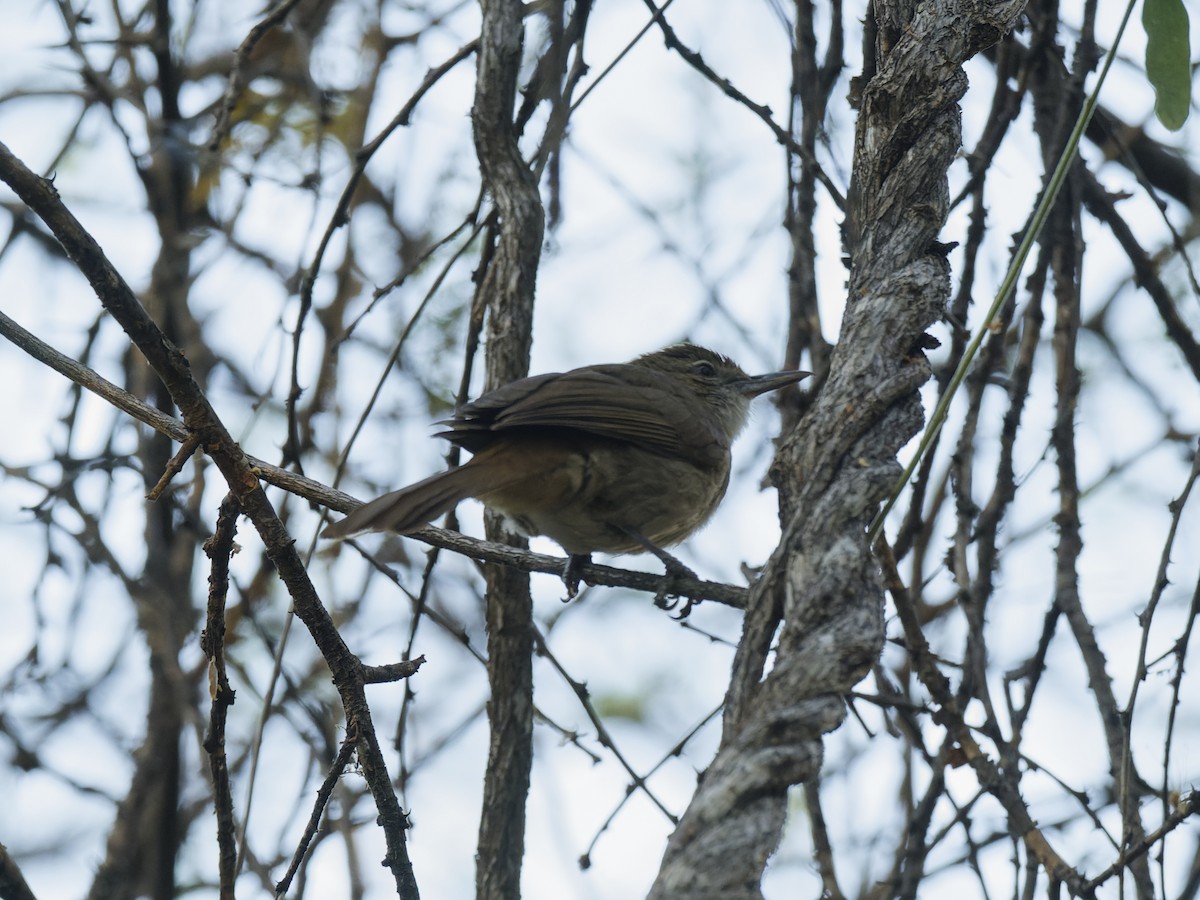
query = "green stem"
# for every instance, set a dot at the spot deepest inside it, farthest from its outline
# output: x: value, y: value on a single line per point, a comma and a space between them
x: 1010, y: 279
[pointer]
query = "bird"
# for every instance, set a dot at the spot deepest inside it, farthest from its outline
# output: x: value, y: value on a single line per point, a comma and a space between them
x: 616, y: 458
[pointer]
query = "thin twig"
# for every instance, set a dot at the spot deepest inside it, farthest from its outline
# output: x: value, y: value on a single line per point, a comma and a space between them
x: 345, y: 753
x: 237, y: 74
x: 219, y: 548
x: 174, y: 466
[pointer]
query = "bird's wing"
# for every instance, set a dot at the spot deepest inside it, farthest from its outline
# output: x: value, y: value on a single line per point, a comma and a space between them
x: 608, y: 401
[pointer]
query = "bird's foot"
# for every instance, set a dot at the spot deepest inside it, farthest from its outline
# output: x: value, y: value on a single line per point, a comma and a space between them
x: 573, y: 573
x: 668, y: 595
x: 676, y: 572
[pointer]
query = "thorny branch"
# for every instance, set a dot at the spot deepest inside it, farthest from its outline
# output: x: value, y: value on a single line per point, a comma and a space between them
x: 199, y: 417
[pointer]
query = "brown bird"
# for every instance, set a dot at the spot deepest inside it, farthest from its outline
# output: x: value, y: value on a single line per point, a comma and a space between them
x: 619, y: 458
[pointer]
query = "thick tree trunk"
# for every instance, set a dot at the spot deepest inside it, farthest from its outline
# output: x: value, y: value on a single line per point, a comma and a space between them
x: 821, y: 590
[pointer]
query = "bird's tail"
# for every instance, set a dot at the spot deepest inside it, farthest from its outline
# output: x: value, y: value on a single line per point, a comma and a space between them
x: 414, y: 506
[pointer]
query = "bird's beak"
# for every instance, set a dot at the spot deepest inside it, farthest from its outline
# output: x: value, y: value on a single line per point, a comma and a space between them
x: 773, y: 381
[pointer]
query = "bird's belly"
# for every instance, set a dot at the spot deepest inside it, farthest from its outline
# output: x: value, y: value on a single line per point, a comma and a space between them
x: 592, y: 498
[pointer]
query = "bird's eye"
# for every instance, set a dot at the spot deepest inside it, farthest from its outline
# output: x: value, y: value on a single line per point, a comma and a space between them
x: 704, y: 369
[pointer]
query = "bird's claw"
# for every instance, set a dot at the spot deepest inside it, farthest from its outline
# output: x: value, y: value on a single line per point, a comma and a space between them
x: 572, y: 573
x: 676, y: 572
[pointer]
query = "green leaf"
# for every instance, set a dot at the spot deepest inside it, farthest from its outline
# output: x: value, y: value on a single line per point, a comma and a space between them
x: 1168, y: 59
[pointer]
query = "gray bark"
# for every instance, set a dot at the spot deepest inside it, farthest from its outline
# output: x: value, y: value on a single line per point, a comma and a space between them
x: 506, y: 290
x: 821, y: 591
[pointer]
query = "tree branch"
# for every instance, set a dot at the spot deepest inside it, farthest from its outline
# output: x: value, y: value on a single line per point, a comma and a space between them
x: 506, y: 290
x: 838, y: 464
x: 169, y: 363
